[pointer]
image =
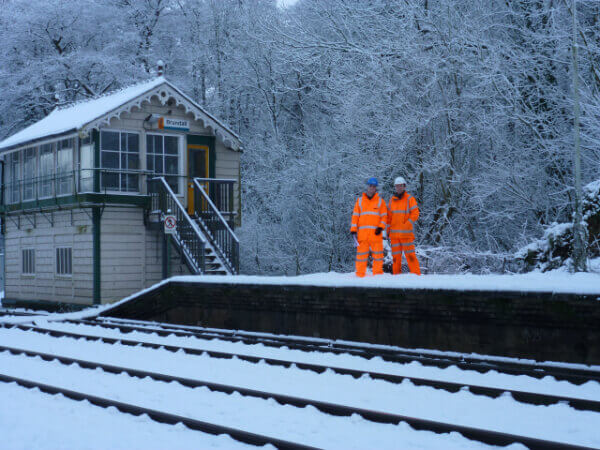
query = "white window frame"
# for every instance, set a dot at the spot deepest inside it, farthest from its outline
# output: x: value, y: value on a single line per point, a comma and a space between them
x: 140, y: 156
x: 64, y: 268
x: 52, y: 175
x: 31, y: 261
x: 180, y: 162
x: 69, y: 174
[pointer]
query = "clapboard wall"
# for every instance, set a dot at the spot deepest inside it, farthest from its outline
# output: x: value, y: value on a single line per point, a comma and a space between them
x: 45, y: 233
x: 131, y: 254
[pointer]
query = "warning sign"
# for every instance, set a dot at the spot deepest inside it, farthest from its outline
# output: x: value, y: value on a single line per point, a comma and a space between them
x: 170, y: 224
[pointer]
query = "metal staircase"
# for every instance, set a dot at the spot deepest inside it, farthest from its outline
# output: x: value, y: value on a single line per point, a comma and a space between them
x: 205, y: 240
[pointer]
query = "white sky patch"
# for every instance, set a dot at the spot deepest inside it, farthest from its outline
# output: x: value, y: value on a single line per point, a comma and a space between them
x: 286, y: 3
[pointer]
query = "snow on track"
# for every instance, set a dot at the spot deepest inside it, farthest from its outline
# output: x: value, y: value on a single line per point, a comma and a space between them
x: 32, y: 419
x: 555, y: 422
x: 305, y: 425
x: 547, y: 385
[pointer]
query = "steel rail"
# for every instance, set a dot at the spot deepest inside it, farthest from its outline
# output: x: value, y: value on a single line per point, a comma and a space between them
x: 452, y: 387
x: 572, y: 375
x: 18, y: 313
x: 482, y: 435
x: 159, y: 416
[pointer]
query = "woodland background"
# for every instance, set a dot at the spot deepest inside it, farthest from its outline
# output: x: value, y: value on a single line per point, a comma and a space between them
x: 470, y: 101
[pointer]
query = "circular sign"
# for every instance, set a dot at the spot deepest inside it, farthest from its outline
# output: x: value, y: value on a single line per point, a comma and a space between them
x: 170, y: 224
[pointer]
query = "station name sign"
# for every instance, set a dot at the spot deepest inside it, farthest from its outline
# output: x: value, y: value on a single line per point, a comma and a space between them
x: 165, y: 123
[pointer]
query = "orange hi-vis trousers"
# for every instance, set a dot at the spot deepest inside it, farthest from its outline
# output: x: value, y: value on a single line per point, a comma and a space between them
x: 375, y: 245
x: 408, y: 247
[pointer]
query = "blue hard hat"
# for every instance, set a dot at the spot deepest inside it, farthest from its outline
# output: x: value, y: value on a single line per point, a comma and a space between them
x: 373, y: 181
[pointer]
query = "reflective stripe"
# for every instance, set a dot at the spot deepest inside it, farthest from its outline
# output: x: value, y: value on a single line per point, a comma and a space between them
x: 362, y: 253
x: 361, y: 260
x: 399, y: 252
x: 399, y: 211
x: 368, y: 226
x: 377, y: 253
x: 382, y: 214
x: 360, y: 203
x: 401, y: 231
x: 379, y: 203
x: 377, y: 259
x: 356, y: 214
x: 413, y: 208
x: 369, y: 214
x: 409, y: 251
x: 396, y: 245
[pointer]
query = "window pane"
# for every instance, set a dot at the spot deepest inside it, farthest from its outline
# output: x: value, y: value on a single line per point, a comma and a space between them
x: 158, y: 164
x: 29, y: 173
x: 123, y: 142
x: 171, y: 145
x: 149, y: 144
x: 46, y: 184
x: 133, y: 161
x: 150, y: 163
x: 174, y: 183
x: 158, y: 145
x: 132, y: 183
x: 109, y: 140
x: 133, y: 143
x: 16, y: 177
x: 110, y: 181
x: 110, y: 160
x: 86, y: 160
x: 8, y: 180
x: 171, y: 165
x: 64, y: 160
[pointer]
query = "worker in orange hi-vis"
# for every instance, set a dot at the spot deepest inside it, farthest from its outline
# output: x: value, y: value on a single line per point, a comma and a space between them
x: 402, y: 214
x: 368, y: 221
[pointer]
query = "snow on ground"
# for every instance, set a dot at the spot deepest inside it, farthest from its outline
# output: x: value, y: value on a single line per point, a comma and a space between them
x: 547, y: 385
x: 552, y: 282
x: 555, y: 422
x: 30, y: 419
x: 304, y: 425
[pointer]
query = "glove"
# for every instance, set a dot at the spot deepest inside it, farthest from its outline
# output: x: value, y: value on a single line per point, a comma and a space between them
x: 353, y: 233
x: 378, y: 231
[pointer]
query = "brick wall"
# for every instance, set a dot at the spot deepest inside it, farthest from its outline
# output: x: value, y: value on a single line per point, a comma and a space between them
x: 530, y: 325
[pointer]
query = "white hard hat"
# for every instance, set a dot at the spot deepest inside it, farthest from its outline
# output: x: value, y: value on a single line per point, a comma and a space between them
x: 399, y: 180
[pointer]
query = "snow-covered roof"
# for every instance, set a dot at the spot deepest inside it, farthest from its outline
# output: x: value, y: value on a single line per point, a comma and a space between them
x: 89, y: 114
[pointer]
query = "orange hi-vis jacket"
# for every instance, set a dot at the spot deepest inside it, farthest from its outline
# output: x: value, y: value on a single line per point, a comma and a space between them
x: 401, y: 216
x: 368, y: 215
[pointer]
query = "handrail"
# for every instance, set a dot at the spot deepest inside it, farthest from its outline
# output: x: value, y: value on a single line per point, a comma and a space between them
x: 180, y: 206
x: 222, y: 180
x: 215, y: 209
x: 61, y: 184
x: 188, y: 235
x: 227, y: 244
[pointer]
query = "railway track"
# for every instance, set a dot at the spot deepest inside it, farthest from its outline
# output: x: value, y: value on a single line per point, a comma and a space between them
x: 482, y: 365
x: 159, y: 416
x: 4, y: 313
x: 485, y: 436
x: 521, y: 396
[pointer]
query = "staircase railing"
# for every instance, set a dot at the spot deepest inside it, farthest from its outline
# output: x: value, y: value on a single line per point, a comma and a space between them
x: 216, y: 228
x: 187, y: 236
